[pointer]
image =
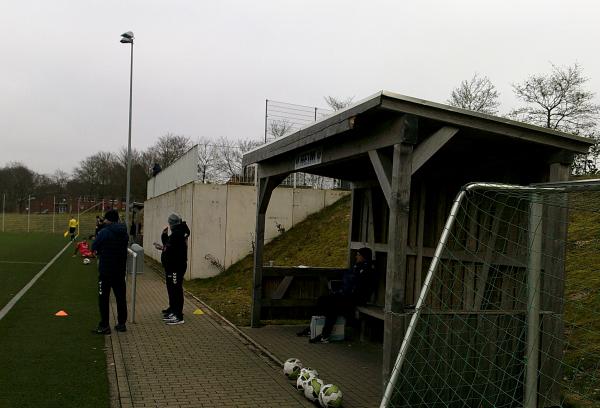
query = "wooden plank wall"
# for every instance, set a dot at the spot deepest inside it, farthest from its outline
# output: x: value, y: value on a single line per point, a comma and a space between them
x: 480, y: 291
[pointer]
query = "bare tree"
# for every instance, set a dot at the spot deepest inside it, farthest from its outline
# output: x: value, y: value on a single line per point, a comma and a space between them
x: 559, y: 101
x: 477, y: 94
x: 207, y: 159
x: 169, y: 148
x: 97, y: 174
x: 229, y: 157
x: 279, y: 128
x: 17, y: 182
x: 60, y: 179
x: 338, y: 104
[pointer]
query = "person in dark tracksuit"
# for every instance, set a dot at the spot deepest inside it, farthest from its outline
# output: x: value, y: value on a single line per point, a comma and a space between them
x: 356, y: 287
x: 174, y: 260
x: 111, y: 246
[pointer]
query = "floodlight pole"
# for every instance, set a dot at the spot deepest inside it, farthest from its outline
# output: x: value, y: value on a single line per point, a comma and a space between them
x: 28, y: 210
x: 53, y: 213
x: 127, y: 38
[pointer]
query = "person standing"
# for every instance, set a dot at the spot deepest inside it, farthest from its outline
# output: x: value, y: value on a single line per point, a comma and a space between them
x: 99, y: 225
x: 73, y: 227
x: 174, y: 261
x: 111, y: 246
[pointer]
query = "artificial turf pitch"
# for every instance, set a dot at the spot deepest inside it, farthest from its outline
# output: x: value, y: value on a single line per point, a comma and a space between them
x: 49, y: 361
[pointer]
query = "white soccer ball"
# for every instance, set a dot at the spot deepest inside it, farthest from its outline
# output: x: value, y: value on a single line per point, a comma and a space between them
x: 312, y: 388
x: 86, y: 261
x: 308, y: 369
x: 306, y: 374
x: 330, y: 396
x: 300, y: 383
x: 291, y: 368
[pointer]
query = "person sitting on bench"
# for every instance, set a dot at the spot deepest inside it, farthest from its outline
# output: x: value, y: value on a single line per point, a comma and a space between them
x: 356, y: 288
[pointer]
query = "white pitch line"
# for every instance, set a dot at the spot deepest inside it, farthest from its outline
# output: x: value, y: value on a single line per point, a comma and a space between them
x: 19, y: 295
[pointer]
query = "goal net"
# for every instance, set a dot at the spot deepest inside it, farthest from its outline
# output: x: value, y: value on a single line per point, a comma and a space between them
x: 508, y: 314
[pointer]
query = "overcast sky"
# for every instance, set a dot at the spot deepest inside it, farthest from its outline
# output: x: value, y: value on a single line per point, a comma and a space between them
x: 204, y: 69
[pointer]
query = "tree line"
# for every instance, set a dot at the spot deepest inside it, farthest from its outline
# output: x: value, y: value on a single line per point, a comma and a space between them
x: 104, y: 174
x: 556, y: 100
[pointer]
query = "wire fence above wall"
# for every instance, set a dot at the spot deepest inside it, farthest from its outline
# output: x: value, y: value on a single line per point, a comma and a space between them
x: 283, y: 118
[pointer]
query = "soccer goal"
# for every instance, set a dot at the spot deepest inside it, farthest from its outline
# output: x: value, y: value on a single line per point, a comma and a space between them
x: 508, y: 314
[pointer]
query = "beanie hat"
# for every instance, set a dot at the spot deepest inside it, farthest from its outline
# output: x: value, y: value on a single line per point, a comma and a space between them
x: 174, y: 219
x: 365, y: 253
x: 112, y: 216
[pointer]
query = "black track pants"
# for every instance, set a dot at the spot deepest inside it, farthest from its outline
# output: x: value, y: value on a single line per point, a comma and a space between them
x: 117, y: 284
x: 333, y: 306
x: 174, y: 282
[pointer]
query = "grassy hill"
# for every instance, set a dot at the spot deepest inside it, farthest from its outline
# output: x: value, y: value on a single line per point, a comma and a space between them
x: 320, y: 240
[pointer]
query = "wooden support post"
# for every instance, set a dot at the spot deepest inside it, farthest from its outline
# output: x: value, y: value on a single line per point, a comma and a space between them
x: 264, y: 188
x: 552, y: 287
x: 394, y: 322
x: 420, y: 231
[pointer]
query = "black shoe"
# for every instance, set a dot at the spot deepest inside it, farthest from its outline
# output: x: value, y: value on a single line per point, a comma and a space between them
x: 175, y: 320
x: 319, y: 339
x: 304, y: 332
x: 101, y: 330
x: 166, y: 311
x: 121, y: 327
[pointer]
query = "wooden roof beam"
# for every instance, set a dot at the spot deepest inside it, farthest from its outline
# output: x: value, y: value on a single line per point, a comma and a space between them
x: 383, y: 169
x: 430, y: 146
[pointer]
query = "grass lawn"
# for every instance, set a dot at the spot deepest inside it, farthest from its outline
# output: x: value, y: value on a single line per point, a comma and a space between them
x: 21, y: 257
x: 50, y: 361
x: 48, y: 223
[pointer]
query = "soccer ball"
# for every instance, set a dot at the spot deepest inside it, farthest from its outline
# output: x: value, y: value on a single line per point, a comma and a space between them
x: 312, y: 388
x: 308, y: 369
x: 300, y: 382
x: 330, y: 396
x: 291, y: 368
x: 306, y: 374
x: 86, y: 261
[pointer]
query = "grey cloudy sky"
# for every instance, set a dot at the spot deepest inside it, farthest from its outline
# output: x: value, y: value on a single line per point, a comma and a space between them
x: 204, y: 69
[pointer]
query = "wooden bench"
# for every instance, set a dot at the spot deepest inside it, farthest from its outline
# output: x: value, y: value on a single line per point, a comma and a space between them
x: 373, y: 311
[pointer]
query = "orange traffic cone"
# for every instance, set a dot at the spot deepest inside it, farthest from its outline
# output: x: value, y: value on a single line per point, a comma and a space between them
x: 61, y: 313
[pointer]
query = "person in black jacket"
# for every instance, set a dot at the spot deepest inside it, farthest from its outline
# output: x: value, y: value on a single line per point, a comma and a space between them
x: 174, y: 260
x: 111, y: 247
x: 356, y: 287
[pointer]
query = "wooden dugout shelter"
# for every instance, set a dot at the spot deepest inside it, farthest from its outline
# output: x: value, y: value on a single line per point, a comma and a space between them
x: 406, y: 159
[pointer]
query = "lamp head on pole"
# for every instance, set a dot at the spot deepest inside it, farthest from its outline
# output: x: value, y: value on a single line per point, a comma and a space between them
x: 127, y: 38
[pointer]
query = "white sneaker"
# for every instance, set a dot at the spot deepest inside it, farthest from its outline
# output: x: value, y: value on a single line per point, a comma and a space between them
x: 175, y: 320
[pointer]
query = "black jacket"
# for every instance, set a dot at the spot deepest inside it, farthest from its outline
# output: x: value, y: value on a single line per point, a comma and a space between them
x: 111, y: 245
x: 174, y: 255
x: 358, y: 282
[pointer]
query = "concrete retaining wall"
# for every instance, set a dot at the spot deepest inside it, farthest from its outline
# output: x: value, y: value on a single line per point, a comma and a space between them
x: 222, y: 219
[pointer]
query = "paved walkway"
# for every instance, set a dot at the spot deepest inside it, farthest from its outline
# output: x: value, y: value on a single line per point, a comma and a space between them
x: 202, y: 363
x: 352, y: 365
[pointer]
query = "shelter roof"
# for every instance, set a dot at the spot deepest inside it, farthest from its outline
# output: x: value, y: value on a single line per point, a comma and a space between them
x: 381, y: 109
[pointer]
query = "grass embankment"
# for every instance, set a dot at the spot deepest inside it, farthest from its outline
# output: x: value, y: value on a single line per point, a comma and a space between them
x: 582, y: 300
x: 50, y: 361
x: 320, y: 240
